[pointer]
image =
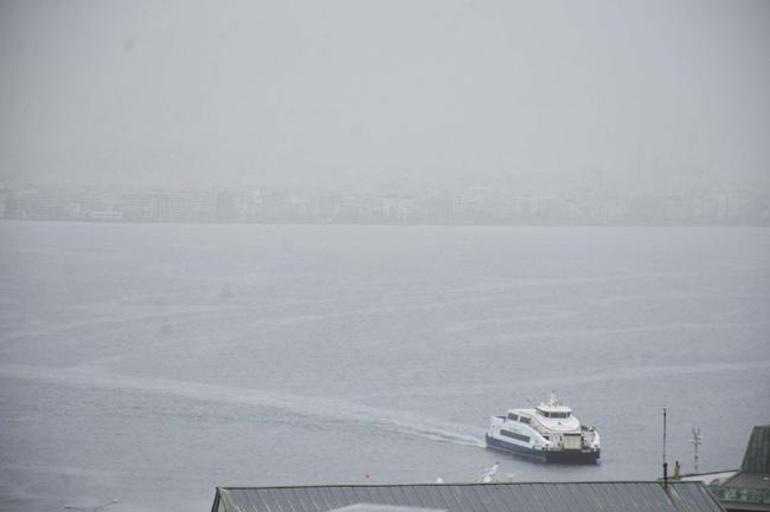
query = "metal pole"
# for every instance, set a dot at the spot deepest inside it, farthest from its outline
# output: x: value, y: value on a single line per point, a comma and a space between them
x: 665, y: 464
x: 696, y: 457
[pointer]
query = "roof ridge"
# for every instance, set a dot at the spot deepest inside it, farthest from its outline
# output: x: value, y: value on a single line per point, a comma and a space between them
x: 466, y: 484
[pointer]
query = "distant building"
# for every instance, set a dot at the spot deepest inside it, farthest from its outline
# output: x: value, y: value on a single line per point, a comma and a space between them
x: 138, y: 206
x: 105, y: 215
x: 502, y: 497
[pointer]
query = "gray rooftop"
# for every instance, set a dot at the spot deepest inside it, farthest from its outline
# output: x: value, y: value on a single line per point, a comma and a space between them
x: 757, y: 456
x: 749, y: 488
x: 503, y: 497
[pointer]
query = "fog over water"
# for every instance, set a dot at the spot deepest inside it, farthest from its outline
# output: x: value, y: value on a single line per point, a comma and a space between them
x: 537, y: 96
x: 214, y: 327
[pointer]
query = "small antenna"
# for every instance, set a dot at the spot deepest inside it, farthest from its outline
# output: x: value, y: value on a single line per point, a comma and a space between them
x: 552, y: 400
x: 696, y: 441
x: 665, y: 464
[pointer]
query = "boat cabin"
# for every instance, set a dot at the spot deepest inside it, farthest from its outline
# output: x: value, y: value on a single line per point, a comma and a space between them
x: 553, y: 409
x: 561, y: 412
x: 514, y: 415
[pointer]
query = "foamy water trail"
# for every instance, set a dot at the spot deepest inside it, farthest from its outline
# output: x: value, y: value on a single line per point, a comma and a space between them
x: 400, y: 422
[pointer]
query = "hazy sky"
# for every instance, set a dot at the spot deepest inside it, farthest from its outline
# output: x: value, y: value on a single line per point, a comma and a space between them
x: 378, y: 93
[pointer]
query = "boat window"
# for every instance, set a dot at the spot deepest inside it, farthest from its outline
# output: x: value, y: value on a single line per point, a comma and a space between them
x: 514, y: 435
x: 514, y: 417
x: 524, y: 419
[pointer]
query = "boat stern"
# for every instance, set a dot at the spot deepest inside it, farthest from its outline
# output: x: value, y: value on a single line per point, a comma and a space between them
x: 573, y: 456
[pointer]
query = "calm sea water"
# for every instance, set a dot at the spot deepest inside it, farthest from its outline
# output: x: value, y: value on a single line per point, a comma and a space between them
x: 151, y: 363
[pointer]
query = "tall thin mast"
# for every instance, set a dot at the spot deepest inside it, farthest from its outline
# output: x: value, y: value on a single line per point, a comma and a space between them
x: 665, y: 464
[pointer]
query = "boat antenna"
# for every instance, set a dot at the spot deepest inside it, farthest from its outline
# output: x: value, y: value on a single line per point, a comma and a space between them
x: 696, y: 441
x: 665, y: 464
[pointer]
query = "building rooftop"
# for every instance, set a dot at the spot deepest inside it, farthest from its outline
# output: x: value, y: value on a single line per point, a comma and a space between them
x: 757, y: 456
x: 496, y: 497
x: 749, y: 487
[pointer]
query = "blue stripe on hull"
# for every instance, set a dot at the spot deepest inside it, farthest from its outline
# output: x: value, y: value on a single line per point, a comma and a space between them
x: 513, y: 448
x: 556, y: 456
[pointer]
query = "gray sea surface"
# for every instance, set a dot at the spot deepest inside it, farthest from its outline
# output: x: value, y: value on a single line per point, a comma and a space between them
x: 152, y: 362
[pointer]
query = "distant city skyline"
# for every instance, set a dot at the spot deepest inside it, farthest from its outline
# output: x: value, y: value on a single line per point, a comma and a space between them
x: 475, y: 205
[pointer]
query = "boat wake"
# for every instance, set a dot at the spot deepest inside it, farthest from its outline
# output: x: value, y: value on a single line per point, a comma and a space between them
x: 398, y: 422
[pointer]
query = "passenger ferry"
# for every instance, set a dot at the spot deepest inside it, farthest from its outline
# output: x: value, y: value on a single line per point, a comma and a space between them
x: 549, y: 432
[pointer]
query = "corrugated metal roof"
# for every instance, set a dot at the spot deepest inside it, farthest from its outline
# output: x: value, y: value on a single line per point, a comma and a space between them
x: 757, y: 457
x: 507, y: 497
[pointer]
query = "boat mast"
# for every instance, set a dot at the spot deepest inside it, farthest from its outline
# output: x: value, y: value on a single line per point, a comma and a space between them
x: 552, y: 400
